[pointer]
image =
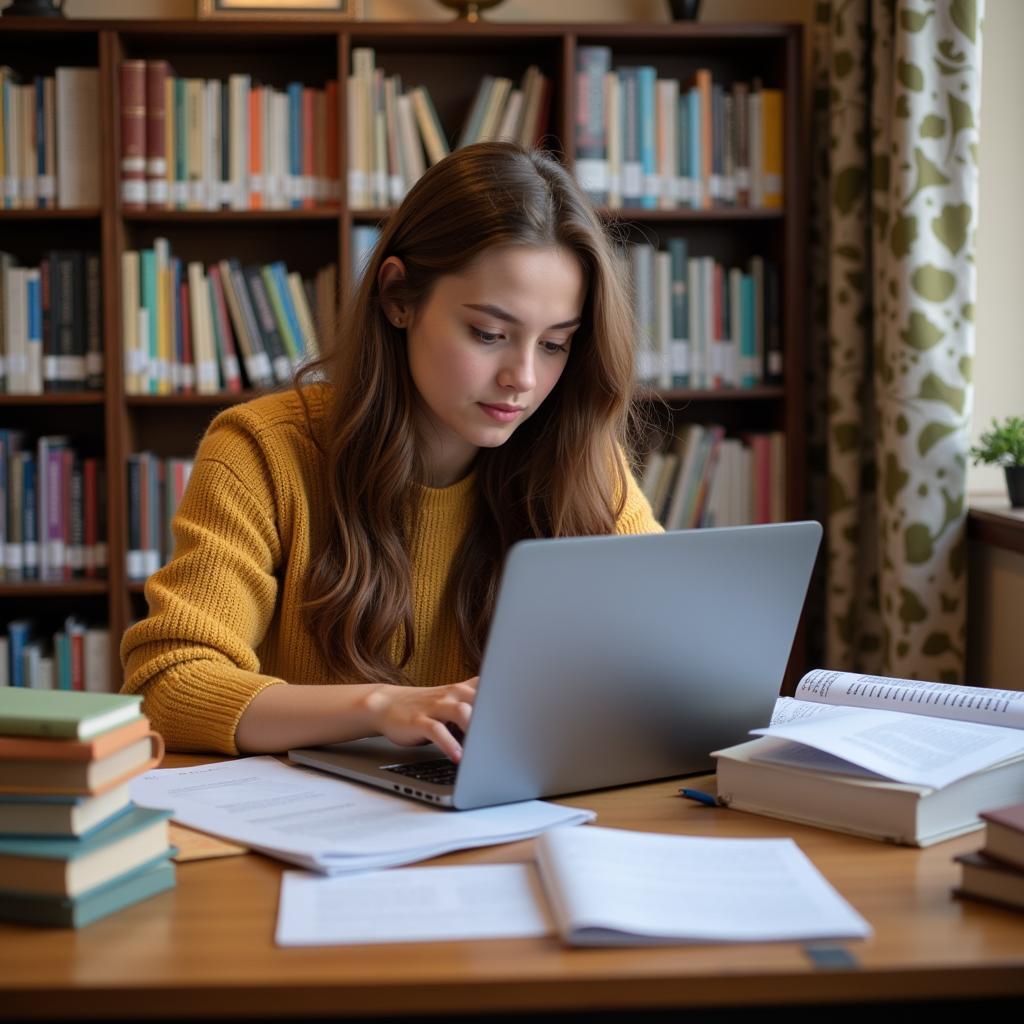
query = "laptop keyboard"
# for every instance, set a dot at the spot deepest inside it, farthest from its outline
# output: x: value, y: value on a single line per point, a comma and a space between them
x: 440, y: 772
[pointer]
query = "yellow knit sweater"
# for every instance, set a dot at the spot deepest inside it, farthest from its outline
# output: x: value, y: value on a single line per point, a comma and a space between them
x: 224, y: 614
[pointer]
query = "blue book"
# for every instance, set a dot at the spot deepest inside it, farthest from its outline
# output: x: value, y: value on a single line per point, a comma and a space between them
x: 647, y: 81
x: 68, y: 866
x: 34, y: 340
x: 295, y: 143
x: 155, y: 876
x: 19, y: 632
x: 60, y: 814
x: 29, y: 516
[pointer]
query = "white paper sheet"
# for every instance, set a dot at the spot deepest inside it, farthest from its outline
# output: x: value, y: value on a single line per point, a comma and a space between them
x: 324, y: 823
x: 486, y: 901
x: 919, y: 749
x: 615, y: 887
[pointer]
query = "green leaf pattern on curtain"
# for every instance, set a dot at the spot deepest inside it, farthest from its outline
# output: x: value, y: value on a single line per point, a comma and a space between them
x: 892, y: 295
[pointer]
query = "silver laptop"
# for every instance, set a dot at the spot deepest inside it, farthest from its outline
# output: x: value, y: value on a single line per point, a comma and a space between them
x: 612, y: 660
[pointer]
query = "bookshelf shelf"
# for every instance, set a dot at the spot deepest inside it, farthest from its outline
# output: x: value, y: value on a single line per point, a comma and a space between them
x: 54, y: 398
x: 49, y: 214
x: 681, y: 215
x: 46, y: 588
x: 718, y: 394
x: 226, y: 216
x: 179, y: 401
x: 449, y: 59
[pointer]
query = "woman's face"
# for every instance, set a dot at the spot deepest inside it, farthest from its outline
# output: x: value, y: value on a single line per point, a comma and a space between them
x: 486, y: 348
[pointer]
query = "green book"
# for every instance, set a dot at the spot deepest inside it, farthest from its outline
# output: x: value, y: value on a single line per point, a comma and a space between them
x: 291, y: 343
x: 75, y: 714
x: 151, y: 878
x: 69, y: 867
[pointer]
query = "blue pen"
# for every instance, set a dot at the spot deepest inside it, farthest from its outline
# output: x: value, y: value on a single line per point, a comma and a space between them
x: 699, y: 796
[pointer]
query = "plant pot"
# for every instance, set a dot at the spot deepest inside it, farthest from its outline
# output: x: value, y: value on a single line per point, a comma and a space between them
x: 1015, y: 485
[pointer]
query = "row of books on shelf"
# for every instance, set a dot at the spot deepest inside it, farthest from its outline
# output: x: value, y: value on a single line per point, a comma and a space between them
x: 155, y: 488
x: 223, y: 326
x: 51, y: 324
x: 52, y: 510
x: 74, y: 657
x: 660, y: 143
x: 704, y: 325
x: 395, y: 133
x: 50, y: 139
x: 205, y: 144
x: 704, y: 478
x: 73, y: 846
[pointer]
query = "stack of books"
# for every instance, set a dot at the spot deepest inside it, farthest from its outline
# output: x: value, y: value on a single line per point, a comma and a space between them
x: 995, y: 874
x: 73, y: 846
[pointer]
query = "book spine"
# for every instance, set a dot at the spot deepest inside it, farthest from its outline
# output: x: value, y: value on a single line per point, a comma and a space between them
x: 156, y: 133
x: 133, y: 134
x: 592, y: 64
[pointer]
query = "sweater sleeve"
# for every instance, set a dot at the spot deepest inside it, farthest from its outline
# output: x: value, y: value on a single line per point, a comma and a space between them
x: 636, y: 515
x: 193, y: 658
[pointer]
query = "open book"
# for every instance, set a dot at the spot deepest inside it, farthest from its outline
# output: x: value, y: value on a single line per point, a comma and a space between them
x: 598, y: 887
x: 909, y: 761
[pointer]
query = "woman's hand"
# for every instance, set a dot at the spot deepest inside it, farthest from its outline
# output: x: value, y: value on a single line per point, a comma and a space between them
x: 409, y: 715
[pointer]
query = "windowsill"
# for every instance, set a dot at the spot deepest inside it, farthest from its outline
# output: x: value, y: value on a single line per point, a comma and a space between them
x: 991, y: 520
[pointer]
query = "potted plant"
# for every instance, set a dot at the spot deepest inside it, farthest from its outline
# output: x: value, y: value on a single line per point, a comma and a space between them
x: 1003, y: 445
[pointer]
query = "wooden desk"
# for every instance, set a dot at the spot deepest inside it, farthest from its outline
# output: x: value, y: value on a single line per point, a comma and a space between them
x: 207, y: 949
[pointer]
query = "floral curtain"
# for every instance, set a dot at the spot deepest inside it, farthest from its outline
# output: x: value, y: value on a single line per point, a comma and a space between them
x: 896, y: 95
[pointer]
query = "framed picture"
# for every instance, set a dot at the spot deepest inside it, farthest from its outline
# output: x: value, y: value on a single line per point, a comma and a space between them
x: 351, y: 10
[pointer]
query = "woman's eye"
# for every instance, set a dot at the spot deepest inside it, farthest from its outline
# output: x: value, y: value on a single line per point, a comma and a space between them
x: 554, y: 346
x: 485, y: 336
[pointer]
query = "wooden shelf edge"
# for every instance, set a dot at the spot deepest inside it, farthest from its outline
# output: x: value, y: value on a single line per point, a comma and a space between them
x: 48, y: 213
x: 176, y: 401
x: 53, y: 588
x: 999, y: 528
x: 54, y: 398
x: 327, y: 214
x: 768, y: 392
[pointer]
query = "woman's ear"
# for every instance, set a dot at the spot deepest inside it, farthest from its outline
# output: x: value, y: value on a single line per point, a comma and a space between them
x: 392, y: 272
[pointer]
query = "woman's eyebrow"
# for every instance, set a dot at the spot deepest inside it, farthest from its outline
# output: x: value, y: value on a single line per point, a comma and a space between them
x: 500, y: 314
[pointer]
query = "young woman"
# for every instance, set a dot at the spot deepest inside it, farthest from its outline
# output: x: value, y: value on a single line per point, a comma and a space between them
x: 352, y: 530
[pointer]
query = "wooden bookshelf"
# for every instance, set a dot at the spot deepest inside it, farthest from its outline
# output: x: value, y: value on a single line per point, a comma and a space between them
x: 449, y: 58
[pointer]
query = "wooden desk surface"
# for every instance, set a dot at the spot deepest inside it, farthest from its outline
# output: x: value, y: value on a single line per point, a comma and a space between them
x: 207, y: 948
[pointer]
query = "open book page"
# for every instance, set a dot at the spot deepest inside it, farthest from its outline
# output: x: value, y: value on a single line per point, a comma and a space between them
x: 615, y: 887
x: 910, y: 748
x: 476, y: 901
x: 797, y: 755
x: 939, y: 700
x: 321, y: 822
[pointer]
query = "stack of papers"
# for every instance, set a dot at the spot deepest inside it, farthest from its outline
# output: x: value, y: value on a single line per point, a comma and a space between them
x: 329, y: 825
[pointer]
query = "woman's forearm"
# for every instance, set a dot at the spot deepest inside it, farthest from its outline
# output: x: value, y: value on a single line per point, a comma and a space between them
x: 284, y: 716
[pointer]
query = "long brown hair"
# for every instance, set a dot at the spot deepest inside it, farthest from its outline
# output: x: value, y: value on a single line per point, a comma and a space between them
x: 560, y: 473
